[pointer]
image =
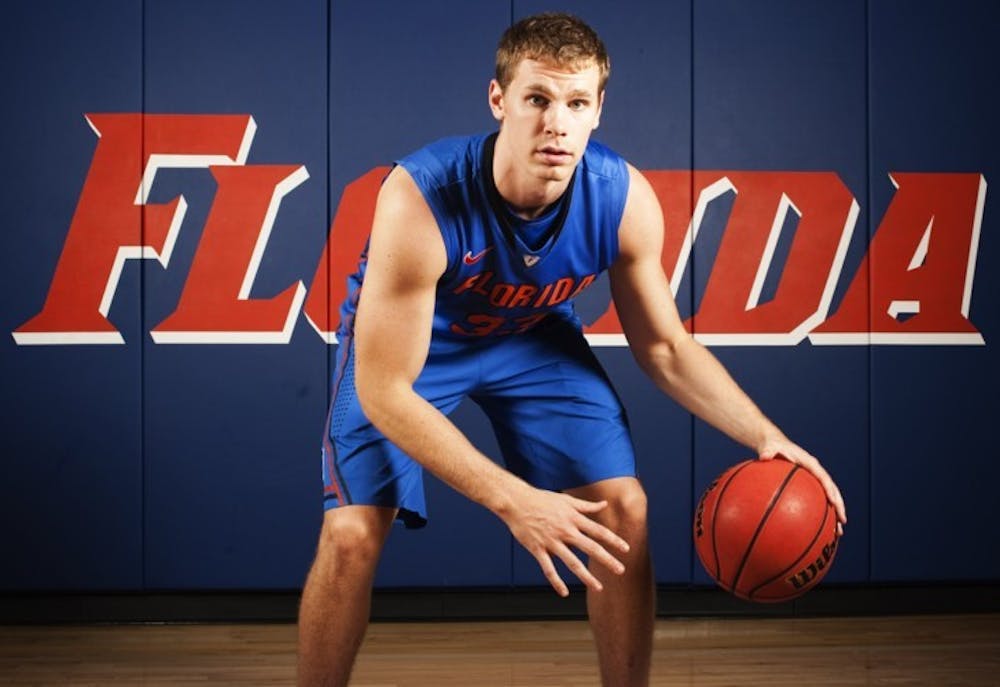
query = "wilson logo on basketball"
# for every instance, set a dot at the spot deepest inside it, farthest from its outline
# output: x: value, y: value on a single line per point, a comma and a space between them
x: 699, y: 515
x: 802, y: 578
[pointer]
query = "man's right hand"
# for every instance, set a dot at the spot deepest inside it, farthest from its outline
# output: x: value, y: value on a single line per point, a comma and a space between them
x: 548, y: 523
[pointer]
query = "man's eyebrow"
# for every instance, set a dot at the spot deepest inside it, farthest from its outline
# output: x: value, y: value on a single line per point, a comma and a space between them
x: 542, y: 88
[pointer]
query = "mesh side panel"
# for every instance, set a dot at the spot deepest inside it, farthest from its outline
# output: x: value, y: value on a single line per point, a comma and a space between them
x: 345, y: 395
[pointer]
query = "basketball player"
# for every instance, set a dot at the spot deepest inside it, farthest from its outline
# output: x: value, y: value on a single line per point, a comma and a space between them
x: 478, y: 246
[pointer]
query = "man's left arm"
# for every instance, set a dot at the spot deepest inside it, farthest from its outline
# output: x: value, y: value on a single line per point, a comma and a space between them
x: 679, y: 365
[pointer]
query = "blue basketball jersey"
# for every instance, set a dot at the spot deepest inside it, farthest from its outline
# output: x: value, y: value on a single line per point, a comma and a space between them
x: 506, y: 275
x: 559, y: 422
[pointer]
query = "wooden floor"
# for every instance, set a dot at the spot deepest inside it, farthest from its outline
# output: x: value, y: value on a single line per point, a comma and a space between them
x: 936, y: 651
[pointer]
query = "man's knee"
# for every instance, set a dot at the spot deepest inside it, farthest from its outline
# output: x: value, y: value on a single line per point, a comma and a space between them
x: 627, y: 506
x: 352, y: 537
x: 626, y: 511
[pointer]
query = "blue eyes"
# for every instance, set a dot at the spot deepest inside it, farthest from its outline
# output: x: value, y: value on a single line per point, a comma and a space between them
x: 539, y: 101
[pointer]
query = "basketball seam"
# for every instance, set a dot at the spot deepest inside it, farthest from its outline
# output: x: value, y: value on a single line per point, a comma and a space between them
x: 767, y: 513
x: 826, y: 516
x: 715, y: 512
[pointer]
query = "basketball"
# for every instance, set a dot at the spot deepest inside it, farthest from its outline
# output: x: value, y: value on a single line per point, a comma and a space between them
x: 765, y: 531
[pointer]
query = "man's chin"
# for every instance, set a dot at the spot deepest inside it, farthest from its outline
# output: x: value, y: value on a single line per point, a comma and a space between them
x: 555, y: 172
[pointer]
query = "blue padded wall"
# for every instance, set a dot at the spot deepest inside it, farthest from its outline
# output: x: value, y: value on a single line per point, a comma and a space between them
x: 71, y: 499
x: 145, y: 450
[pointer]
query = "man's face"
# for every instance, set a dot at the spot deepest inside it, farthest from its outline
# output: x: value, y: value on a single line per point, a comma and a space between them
x: 547, y: 113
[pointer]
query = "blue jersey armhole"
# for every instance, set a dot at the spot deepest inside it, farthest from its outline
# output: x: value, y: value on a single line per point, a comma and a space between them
x: 606, y: 164
x: 429, y: 190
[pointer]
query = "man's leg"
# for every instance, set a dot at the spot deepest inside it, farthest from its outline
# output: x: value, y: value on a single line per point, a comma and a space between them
x: 336, y: 600
x: 621, y: 616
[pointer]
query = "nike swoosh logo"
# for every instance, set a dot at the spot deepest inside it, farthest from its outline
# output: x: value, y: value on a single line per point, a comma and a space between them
x: 471, y: 259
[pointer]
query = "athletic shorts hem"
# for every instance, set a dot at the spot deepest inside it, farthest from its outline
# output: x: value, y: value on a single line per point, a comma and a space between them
x: 412, y: 519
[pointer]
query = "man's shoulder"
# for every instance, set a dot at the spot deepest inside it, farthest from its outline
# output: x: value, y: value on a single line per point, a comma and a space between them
x: 600, y: 160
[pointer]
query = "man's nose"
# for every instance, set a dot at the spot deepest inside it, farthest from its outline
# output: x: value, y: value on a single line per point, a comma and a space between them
x: 556, y: 120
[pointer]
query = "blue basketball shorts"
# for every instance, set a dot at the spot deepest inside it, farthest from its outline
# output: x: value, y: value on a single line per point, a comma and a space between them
x: 558, y: 421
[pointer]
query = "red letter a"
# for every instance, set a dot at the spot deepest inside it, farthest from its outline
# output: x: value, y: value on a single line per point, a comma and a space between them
x: 921, y: 264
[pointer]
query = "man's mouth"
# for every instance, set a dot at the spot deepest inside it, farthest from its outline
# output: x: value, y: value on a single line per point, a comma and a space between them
x: 554, y: 155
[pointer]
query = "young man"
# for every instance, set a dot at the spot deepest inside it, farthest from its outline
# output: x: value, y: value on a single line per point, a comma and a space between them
x: 477, y: 248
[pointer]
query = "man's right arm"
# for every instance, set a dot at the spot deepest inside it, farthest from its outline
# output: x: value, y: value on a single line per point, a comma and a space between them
x: 406, y: 257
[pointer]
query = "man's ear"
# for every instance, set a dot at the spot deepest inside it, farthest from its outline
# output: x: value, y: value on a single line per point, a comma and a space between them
x: 496, y: 100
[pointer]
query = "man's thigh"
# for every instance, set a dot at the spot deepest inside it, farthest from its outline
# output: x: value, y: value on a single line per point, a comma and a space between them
x: 558, y: 420
x: 360, y: 465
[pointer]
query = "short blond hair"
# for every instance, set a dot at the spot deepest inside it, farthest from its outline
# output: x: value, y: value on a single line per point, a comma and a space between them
x: 561, y: 38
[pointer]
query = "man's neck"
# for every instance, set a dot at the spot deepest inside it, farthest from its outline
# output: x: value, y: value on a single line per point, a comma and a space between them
x: 527, y: 196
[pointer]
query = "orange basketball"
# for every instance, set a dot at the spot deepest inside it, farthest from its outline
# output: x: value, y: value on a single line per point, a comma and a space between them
x: 765, y: 531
